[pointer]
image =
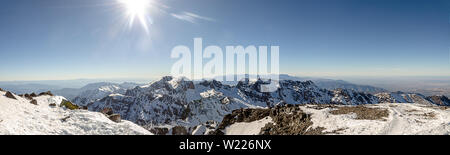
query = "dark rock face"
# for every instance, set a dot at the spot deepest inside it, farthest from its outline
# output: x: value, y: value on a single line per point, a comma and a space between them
x: 243, y: 115
x: 33, y: 102
x: 10, y: 95
x: 107, y: 111
x: 191, y: 85
x: 439, y: 100
x: 46, y: 93
x: 179, y: 130
x: 28, y: 96
x: 159, y: 131
x: 288, y: 120
x: 1, y: 89
x: 115, y: 118
x: 33, y: 95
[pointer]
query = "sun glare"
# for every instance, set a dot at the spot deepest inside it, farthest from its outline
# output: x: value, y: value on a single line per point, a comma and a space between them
x: 137, y: 10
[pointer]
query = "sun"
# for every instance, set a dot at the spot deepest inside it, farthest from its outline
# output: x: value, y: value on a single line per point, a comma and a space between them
x: 137, y: 10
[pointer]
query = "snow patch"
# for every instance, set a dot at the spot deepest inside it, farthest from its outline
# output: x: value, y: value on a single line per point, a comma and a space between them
x: 251, y: 128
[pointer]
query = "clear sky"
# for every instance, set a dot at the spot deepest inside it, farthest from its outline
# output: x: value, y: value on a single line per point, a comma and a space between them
x: 70, y: 39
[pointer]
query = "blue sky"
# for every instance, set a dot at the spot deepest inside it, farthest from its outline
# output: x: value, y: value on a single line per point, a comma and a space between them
x: 70, y: 39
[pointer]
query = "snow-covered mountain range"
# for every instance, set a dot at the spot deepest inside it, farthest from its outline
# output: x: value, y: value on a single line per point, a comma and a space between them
x: 180, y: 103
x: 44, y: 115
x: 94, y: 91
x: 331, y: 84
x: 181, y: 106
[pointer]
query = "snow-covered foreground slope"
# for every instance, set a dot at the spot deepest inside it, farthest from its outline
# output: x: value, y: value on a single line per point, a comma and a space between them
x: 250, y: 128
x: 20, y: 117
x: 376, y: 119
x: 403, y: 119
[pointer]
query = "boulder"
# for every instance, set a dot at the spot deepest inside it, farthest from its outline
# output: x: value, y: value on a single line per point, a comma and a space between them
x: 33, y: 95
x: 28, y: 96
x: 179, y: 130
x: 65, y: 119
x: 159, y: 131
x: 115, y: 118
x: 191, y: 85
x: 107, y: 111
x: 10, y: 95
x: 46, y: 93
x: 33, y: 102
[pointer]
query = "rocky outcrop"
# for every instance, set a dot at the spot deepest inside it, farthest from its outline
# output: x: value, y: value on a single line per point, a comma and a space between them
x: 179, y: 130
x: 33, y: 95
x: 243, y: 115
x: 46, y: 93
x: 28, y: 96
x: 10, y: 95
x: 115, y: 118
x: 439, y: 100
x: 34, y: 102
x: 107, y: 111
x: 159, y: 131
x: 287, y: 120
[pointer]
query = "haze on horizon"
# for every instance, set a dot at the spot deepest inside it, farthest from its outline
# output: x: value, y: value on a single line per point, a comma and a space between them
x: 95, y: 39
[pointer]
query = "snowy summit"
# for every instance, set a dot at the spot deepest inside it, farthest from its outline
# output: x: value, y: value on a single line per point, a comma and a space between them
x: 43, y: 115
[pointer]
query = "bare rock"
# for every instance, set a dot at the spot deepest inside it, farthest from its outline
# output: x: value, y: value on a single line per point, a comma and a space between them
x: 179, y: 130
x: 191, y: 85
x: 28, y: 96
x: 107, y: 111
x: 439, y: 100
x: 159, y: 131
x: 46, y: 93
x: 33, y: 102
x: 115, y: 118
x: 10, y: 95
x: 33, y: 95
x: 65, y: 119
